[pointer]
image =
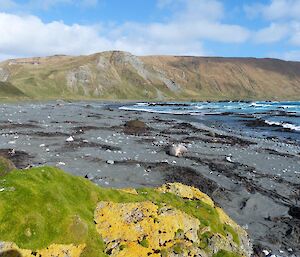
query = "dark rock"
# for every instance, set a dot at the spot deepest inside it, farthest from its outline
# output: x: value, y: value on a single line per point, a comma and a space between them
x: 294, y: 211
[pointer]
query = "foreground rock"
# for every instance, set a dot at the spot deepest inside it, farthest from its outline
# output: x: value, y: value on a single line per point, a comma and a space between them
x: 70, y: 216
x: 148, y: 229
x: 12, y: 250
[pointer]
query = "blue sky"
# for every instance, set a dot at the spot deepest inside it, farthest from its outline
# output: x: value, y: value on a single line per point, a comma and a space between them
x: 267, y: 28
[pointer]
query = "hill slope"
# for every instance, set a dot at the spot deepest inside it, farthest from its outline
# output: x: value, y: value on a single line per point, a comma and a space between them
x: 121, y: 75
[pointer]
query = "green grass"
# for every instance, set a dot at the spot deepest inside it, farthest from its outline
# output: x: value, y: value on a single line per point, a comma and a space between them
x: 9, y: 90
x: 49, y: 206
x: 5, y: 166
x: 224, y: 253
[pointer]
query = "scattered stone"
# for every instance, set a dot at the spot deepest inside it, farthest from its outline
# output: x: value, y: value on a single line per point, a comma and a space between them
x: 70, y: 139
x: 228, y: 158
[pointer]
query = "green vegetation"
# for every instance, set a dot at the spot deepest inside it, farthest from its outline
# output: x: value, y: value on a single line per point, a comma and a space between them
x: 5, y: 166
x: 49, y: 206
x: 150, y: 78
x: 224, y: 253
x: 144, y: 242
x: 7, y: 90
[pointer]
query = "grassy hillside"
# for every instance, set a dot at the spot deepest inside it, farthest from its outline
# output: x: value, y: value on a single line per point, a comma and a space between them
x: 120, y: 75
x: 42, y: 206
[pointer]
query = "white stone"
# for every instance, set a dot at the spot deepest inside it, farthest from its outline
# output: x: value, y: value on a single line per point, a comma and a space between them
x: 70, y: 139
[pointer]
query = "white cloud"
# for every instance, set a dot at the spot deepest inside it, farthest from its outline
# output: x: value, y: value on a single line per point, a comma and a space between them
x: 183, y: 34
x: 295, y: 37
x: 273, y: 33
x: 197, y: 20
x: 29, y: 36
x: 275, y: 10
x: 291, y: 55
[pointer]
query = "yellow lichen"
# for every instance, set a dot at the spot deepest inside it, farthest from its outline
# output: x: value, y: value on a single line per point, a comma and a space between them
x: 224, y: 218
x: 128, y: 191
x: 186, y: 192
x: 61, y: 251
x: 11, y: 249
x: 125, y: 227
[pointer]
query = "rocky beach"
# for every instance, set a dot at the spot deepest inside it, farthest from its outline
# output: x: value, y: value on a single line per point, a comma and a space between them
x: 255, y: 180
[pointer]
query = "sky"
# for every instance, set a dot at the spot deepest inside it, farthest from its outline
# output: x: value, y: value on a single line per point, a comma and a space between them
x: 231, y: 28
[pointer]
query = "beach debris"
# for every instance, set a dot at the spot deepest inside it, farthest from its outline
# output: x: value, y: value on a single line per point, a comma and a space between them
x: 294, y: 211
x: 177, y: 150
x: 228, y: 158
x: 89, y: 177
x: 211, y: 133
x: 70, y: 139
x: 135, y: 127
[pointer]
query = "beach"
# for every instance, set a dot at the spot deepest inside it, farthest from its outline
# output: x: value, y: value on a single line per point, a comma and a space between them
x: 254, y: 179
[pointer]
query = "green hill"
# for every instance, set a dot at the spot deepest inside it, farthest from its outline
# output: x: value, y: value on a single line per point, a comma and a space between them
x: 121, y: 75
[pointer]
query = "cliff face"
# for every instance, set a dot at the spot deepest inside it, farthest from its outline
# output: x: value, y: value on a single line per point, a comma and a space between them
x: 121, y: 75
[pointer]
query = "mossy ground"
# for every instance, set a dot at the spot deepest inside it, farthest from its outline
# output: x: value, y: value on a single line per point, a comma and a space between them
x: 50, y: 206
x: 5, y: 166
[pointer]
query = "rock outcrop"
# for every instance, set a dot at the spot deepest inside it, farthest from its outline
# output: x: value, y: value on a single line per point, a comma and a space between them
x: 55, y: 250
x: 74, y: 217
x: 148, y: 229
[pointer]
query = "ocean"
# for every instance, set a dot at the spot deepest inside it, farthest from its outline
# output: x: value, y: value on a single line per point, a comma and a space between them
x: 261, y: 118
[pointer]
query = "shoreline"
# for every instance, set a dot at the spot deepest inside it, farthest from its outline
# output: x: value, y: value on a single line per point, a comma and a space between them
x: 252, y: 179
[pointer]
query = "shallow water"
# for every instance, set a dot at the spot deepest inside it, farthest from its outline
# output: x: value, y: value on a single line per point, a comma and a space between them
x: 273, y: 119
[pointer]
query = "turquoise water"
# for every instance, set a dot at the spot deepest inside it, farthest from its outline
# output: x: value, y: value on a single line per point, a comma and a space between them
x: 278, y: 117
x: 285, y: 114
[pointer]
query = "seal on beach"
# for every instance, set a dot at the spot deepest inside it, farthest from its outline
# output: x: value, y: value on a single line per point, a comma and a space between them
x: 177, y: 150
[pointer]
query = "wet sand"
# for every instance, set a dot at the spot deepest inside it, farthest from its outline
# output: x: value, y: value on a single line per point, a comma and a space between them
x: 255, y: 180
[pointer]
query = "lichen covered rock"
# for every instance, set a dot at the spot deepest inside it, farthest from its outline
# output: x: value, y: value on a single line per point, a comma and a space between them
x: 185, y: 192
x: 74, y: 217
x: 149, y: 229
x: 145, y: 228
x: 54, y: 250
